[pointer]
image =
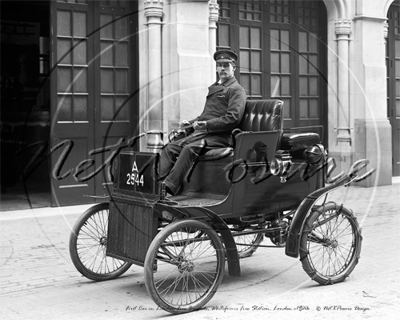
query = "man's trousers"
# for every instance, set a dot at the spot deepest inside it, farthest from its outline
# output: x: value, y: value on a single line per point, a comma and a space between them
x: 177, y: 159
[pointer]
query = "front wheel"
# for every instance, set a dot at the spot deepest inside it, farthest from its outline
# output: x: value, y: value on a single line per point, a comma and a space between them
x: 88, y: 244
x: 330, y: 244
x: 184, y: 266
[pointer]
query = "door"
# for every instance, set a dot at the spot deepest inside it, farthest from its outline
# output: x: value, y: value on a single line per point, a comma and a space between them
x: 393, y: 82
x: 282, y: 47
x: 92, y: 80
x: 115, y: 83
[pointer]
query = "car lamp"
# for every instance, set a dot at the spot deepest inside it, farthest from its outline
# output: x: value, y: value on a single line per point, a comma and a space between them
x: 155, y: 140
x: 315, y: 154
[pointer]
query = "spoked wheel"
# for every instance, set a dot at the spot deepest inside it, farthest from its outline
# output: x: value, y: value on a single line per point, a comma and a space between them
x: 248, y: 244
x: 184, y: 266
x: 330, y: 245
x: 88, y: 243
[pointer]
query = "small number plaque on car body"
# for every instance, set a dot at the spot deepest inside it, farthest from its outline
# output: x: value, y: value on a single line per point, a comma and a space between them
x: 137, y: 172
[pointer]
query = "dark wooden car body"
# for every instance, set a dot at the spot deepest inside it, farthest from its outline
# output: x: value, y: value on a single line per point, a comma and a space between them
x: 225, y: 191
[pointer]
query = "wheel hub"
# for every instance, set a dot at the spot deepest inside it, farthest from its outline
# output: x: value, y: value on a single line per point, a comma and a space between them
x: 103, y: 241
x: 186, y: 266
x: 333, y: 244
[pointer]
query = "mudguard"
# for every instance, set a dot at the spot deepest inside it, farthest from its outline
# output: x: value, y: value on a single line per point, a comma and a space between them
x: 296, y: 226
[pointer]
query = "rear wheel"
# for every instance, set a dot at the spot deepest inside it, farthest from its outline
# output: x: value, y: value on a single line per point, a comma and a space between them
x: 184, y: 266
x: 88, y: 244
x: 330, y: 244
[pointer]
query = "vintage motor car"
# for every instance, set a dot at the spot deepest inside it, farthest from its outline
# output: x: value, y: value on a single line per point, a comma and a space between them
x: 272, y: 183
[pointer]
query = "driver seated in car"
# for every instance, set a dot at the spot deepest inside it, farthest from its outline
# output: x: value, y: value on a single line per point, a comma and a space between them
x: 223, y: 111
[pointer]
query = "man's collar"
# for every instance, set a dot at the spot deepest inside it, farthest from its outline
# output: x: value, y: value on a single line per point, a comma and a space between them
x: 228, y: 82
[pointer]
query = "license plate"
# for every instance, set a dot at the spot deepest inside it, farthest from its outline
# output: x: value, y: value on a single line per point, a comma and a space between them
x: 136, y: 172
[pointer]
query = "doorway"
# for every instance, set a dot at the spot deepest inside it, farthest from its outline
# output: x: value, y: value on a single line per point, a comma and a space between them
x: 282, y: 54
x: 25, y: 104
x: 93, y: 95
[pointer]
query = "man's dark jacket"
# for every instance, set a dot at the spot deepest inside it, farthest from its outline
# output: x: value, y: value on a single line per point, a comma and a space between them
x: 223, y: 112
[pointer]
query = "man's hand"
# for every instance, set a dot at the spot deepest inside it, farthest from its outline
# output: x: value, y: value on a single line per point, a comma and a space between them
x: 200, y: 125
x: 184, y: 123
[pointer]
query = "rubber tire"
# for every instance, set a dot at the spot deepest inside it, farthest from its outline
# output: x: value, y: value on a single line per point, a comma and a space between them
x: 151, y: 267
x: 97, y: 213
x: 352, y: 257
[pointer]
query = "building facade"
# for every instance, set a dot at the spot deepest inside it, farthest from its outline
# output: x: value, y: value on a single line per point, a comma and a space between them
x: 327, y: 60
x: 82, y: 79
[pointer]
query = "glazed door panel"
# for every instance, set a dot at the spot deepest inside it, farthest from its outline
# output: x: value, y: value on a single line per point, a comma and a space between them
x: 72, y: 113
x: 310, y: 69
x: 282, y: 46
x: 113, y: 74
x: 92, y: 95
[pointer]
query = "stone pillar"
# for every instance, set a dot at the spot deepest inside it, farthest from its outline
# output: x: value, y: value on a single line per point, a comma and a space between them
x: 153, y: 10
x: 187, y: 61
x: 343, y: 30
x: 214, y: 15
x: 372, y: 130
x: 340, y: 146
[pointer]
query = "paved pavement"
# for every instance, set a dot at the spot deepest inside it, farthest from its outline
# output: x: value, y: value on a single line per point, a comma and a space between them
x: 38, y: 280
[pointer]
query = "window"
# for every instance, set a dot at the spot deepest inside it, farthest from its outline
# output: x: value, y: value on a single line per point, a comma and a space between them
x: 282, y: 53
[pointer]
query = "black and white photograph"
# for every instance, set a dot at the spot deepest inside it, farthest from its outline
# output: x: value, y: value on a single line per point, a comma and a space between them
x: 199, y: 159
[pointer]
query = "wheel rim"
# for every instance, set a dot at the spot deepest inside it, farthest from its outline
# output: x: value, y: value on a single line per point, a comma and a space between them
x: 332, y: 244
x: 91, y: 245
x: 185, y: 268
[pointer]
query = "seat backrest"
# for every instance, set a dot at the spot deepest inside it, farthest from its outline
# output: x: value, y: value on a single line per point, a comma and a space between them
x: 262, y: 115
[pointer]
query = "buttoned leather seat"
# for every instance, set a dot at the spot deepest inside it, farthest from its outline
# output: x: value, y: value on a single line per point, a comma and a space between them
x: 262, y: 115
x: 209, y: 177
x: 259, y: 115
